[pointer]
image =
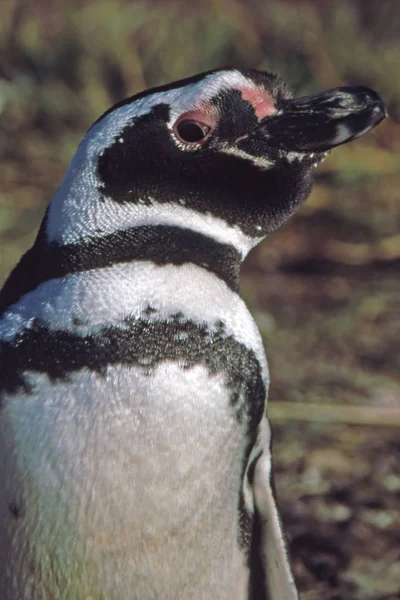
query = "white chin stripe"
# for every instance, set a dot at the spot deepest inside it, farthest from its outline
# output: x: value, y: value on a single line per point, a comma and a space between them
x: 108, y: 217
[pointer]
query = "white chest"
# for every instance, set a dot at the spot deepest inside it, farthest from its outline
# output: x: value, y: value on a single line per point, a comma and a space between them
x: 136, y: 426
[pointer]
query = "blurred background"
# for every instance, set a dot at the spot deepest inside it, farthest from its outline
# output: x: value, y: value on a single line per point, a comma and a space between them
x: 324, y: 289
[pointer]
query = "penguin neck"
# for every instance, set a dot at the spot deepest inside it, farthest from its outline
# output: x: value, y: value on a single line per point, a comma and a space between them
x: 162, y: 234
x: 153, y: 243
x: 89, y: 229
x: 99, y: 231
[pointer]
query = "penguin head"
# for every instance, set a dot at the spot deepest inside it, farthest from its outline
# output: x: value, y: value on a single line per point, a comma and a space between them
x: 232, y: 146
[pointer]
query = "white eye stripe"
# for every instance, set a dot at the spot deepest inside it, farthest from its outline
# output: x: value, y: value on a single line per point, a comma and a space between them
x: 183, y: 99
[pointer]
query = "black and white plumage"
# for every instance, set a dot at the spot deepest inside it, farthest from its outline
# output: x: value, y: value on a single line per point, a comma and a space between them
x: 135, y: 448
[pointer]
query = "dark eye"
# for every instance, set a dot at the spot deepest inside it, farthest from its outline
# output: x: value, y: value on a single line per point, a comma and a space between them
x: 192, y: 132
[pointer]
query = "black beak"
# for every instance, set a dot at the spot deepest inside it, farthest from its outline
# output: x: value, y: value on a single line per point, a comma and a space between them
x: 322, y: 121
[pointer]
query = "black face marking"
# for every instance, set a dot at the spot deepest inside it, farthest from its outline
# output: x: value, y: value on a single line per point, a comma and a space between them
x: 258, y: 188
x: 231, y: 104
x: 160, y: 244
x: 149, y: 164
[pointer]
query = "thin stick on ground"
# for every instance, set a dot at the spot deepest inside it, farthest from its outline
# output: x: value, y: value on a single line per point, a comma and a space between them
x: 326, y: 413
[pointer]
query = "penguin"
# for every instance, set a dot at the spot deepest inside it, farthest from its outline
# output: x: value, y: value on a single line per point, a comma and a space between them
x: 135, y: 447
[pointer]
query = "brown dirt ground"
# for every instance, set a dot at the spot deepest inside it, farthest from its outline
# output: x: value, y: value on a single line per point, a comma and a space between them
x: 331, y: 333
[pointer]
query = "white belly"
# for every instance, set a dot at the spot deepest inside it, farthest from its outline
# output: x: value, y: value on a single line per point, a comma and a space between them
x: 131, y: 486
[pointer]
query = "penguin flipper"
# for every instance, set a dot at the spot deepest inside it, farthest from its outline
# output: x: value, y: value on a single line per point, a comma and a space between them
x: 271, y: 548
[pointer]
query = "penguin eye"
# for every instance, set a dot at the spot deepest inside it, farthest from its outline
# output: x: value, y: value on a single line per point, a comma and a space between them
x: 192, y: 132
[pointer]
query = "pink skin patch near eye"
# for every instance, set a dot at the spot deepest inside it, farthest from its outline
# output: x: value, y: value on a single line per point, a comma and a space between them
x: 260, y: 101
x: 208, y: 113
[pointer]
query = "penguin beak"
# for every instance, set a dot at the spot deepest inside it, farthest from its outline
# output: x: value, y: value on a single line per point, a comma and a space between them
x: 322, y: 121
